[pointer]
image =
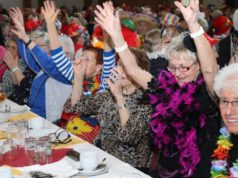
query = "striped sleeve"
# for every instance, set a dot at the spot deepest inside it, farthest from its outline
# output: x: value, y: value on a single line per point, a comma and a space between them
x: 109, y: 61
x: 64, y: 65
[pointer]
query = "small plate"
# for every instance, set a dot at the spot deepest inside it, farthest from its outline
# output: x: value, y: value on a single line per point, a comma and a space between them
x: 101, y: 168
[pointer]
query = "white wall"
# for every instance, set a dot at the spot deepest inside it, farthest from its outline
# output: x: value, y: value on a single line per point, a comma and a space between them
x: 11, y: 3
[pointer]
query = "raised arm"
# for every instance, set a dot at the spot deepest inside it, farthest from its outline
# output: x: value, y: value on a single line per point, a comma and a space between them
x: 63, y: 64
x: 111, y: 24
x: 19, y: 31
x: 205, y: 52
x: 50, y: 13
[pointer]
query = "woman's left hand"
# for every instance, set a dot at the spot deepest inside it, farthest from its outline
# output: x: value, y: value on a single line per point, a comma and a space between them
x: 115, y: 83
x: 190, y: 13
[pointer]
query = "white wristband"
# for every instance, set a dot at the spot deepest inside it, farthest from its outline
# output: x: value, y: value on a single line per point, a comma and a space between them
x: 198, y: 33
x: 121, y: 48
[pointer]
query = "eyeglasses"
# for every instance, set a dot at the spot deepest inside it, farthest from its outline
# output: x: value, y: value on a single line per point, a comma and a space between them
x: 60, y: 136
x: 224, y: 103
x: 180, y: 69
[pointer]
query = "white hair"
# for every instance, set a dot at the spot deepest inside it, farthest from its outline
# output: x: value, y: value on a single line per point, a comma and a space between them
x: 226, y: 78
x: 67, y: 41
x: 235, y: 20
x: 177, y: 46
x: 40, y: 34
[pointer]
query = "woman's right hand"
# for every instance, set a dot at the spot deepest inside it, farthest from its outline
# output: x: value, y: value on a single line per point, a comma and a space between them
x: 107, y: 20
x: 17, y: 18
x: 9, y: 60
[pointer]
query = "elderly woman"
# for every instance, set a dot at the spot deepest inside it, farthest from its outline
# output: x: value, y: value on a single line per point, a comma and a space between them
x: 124, y: 118
x: 220, y: 155
x: 11, y: 77
x: 50, y: 88
x: 18, y: 78
x: 184, y: 115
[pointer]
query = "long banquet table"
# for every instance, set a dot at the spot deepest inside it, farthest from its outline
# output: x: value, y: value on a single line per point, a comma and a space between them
x: 116, y: 167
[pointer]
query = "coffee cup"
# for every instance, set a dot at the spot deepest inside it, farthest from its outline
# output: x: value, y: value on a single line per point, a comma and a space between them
x: 88, y: 160
x: 5, y: 172
x: 36, y: 123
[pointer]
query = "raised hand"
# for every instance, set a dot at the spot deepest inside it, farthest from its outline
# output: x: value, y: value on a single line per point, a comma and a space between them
x: 9, y: 60
x: 17, y: 18
x: 189, y: 13
x: 79, y: 66
x: 107, y: 20
x: 49, y: 12
x: 114, y: 82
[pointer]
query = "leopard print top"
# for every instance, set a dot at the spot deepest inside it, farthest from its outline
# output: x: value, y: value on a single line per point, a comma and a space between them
x: 129, y: 143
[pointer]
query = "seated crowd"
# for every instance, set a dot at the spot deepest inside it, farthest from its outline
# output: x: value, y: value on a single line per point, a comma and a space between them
x: 156, y: 90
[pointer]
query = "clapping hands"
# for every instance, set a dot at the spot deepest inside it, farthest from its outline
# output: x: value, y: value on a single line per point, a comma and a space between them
x: 115, y: 82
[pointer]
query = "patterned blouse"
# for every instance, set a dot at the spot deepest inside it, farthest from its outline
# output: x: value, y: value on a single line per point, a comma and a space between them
x: 129, y: 143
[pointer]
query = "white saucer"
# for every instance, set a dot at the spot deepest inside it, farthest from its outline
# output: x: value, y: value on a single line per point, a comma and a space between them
x: 93, y: 172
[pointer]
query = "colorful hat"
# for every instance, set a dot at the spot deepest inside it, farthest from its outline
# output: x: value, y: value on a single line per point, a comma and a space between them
x: 31, y: 24
x: 130, y: 36
x: 128, y: 23
x: 170, y: 19
x: 221, y: 25
x: 145, y: 18
x: 74, y: 29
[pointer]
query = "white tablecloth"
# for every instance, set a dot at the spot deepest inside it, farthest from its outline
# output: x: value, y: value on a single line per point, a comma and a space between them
x: 116, y: 166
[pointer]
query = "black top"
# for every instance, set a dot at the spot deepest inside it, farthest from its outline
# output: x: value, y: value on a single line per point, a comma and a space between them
x: 21, y: 93
x: 168, y: 167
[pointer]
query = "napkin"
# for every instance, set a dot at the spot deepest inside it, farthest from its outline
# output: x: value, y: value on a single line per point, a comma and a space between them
x: 23, y: 116
x: 60, y: 169
x: 75, y: 140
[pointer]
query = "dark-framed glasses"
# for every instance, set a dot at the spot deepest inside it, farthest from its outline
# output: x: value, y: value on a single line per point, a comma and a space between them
x: 181, y: 69
x: 224, y: 103
x: 60, y: 136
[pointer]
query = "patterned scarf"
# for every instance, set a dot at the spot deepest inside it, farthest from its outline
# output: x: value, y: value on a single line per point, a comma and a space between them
x: 92, y: 84
x: 177, y: 119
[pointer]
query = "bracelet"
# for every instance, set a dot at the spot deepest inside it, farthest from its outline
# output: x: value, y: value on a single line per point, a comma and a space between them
x: 121, y: 48
x: 29, y: 42
x: 121, y: 106
x: 15, y: 69
x: 198, y: 33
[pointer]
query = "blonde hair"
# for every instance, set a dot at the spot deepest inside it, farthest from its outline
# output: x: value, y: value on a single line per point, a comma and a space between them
x: 153, y: 41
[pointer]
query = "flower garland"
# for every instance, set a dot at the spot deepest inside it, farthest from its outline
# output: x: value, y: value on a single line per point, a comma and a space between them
x: 220, y: 155
x: 92, y: 85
